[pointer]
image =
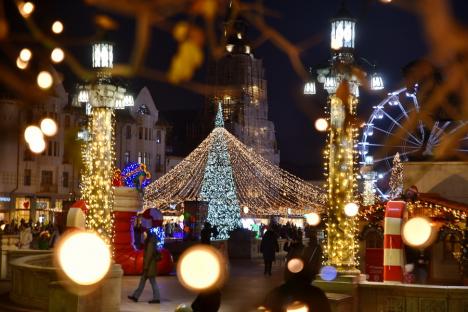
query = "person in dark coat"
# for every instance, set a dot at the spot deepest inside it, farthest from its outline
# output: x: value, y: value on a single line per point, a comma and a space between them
x: 268, y: 247
x: 151, y: 257
x: 297, y: 286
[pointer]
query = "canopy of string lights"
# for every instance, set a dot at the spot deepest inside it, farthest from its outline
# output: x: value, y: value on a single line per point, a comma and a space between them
x: 261, y: 187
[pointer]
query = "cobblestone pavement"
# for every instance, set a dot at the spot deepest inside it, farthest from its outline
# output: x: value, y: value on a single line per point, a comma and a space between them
x: 245, y: 289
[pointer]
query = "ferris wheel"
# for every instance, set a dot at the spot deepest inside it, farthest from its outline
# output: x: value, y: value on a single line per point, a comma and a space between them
x: 387, y: 122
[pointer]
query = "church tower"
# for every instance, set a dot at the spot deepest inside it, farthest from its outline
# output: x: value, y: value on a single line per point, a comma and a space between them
x: 240, y: 84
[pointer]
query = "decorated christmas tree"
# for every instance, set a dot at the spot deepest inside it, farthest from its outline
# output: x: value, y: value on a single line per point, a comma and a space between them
x: 396, y: 178
x: 218, y: 187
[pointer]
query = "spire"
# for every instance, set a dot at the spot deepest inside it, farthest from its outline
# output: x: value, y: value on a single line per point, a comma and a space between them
x: 219, y: 121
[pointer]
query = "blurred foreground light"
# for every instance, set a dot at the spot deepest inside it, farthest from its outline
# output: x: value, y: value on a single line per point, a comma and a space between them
x: 37, y: 146
x: 312, y: 218
x: 328, y: 273
x: 21, y: 64
x: 33, y: 133
x: 183, y: 308
x: 201, y: 267
x: 245, y: 209
x: 57, y: 55
x: 44, y: 80
x: 25, y: 55
x: 48, y: 126
x: 385, y: 1
x: 295, y: 265
x: 57, y: 27
x: 84, y: 257
x: 297, y: 306
x: 351, y: 209
x: 418, y: 232
x: 321, y: 124
x: 25, y: 8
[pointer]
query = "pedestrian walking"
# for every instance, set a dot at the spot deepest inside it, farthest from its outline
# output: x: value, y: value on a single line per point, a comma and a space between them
x: 25, y: 237
x: 269, y: 247
x: 151, y: 257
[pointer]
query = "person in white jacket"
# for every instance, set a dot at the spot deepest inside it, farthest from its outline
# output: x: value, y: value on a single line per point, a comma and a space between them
x: 25, y: 237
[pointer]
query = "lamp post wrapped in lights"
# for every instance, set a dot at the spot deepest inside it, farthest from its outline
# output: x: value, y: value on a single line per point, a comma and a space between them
x: 341, y: 154
x: 100, y: 98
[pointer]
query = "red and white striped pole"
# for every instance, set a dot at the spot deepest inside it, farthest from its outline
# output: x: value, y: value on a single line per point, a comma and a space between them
x: 393, y: 244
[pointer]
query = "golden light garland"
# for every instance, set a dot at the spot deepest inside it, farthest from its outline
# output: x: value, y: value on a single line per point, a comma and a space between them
x: 341, y: 247
x: 261, y: 186
x: 98, y: 160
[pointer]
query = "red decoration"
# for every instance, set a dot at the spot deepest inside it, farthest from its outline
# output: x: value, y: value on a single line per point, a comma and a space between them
x: 117, y: 178
x: 80, y: 204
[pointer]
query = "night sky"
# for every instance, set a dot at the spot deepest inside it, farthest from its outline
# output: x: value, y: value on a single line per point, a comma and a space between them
x: 387, y: 35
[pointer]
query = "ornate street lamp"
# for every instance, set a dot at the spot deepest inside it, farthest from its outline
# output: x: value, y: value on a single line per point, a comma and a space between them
x: 100, y: 98
x: 341, y: 151
x: 309, y: 87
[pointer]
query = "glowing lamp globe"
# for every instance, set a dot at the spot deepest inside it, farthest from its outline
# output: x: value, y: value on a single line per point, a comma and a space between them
x: 295, y: 265
x: 351, y: 209
x: 49, y: 126
x: 245, y: 209
x: 33, y: 133
x: 84, y: 257
x: 200, y: 268
x: 37, y: 146
x: 312, y: 218
x: 57, y: 27
x: 57, y: 55
x: 418, y: 232
x: 328, y: 273
x: 297, y: 306
x: 44, y: 80
x: 26, y: 8
x: 21, y: 64
x: 321, y: 124
x: 25, y: 55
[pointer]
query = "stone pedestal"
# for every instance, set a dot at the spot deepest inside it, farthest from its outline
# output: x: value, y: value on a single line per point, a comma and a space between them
x: 344, y: 285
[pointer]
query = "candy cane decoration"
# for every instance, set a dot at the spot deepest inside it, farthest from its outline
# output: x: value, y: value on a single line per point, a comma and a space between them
x: 393, y: 244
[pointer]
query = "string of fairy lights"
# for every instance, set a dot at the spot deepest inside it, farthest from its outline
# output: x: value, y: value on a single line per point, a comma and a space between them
x: 262, y: 188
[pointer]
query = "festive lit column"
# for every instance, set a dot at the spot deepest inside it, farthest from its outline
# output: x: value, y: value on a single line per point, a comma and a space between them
x: 218, y: 187
x: 341, y: 247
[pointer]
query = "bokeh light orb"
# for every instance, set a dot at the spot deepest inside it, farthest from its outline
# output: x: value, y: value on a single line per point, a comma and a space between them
x: 201, y: 267
x: 57, y: 27
x: 44, y: 80
x: 245, y: 209
x: 321, y: 124
x: 33, y: 133
x: 312, y: 218
x: 351, y: 209
x: 328, y: 273
x: 26, y: 8
x: 57, y: 55
x: 25, y: 55
x: 21, y: 64
x: 49, y: 126
x: 418, y: 232
x: 84, y: 257
x: 295, y: 265
x: 37, y: 146
x: 297, y: 306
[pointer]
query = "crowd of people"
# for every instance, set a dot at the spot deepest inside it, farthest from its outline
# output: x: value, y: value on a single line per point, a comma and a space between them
x: 32, y: 235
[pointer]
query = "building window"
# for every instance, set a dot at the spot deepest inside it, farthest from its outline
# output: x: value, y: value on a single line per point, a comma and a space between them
x: 65, y: 179
x: 66, y: 122
x: 146, y: 133
x: 158, y: 136
x: 46, y: 177
x: 158, y: 162
x: 27, y: 177
x: 149, y: 160
x: 127, y: 157
x: 139, y: 157
x: 56, y: 148
x: 150, y: 134
x: 49, y: 149
x: 128, y: 134
x: 140, y: 133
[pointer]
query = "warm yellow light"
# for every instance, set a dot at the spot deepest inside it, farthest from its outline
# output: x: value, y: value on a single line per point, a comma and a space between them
x: 20, y: 64
x: 57, y: 27
x: 312, y: 218
x: 385, y: 1
x: 246, y: 209
x: 25, y: 55
x: 37, y: 146
x: 25, y: 8
x: 44, y: 80
x: 84, y: 257
x: 297, y: 307
x: 57, y: 55
x: 200, y: 267
x: 33, y: 133
x: 295, y: 265
x: 48, y: 126
x: 418, y: 232
x: 351, y: 209
x: 321, y: 124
